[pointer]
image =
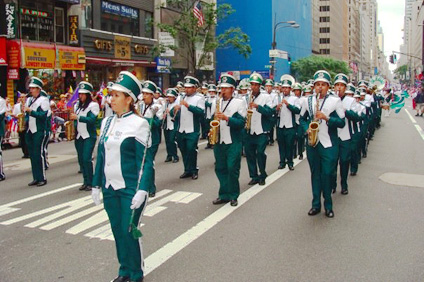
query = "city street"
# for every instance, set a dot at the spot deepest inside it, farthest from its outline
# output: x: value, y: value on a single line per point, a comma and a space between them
x: 56, y: 233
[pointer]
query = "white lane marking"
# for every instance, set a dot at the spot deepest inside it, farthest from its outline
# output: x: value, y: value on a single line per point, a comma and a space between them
x: 26, y: 163
x: 410, y: 116
x: 166, y: 252
x: 420, y: 131
x: 90, y: 222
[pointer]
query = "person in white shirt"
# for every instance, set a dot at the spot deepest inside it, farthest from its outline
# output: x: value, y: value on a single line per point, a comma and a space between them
x: 227, y: 150
x: 86, y: 113
x: 328, y: 111
x: 169, y: 126
x: 260, y: 105
x: 191, y: 110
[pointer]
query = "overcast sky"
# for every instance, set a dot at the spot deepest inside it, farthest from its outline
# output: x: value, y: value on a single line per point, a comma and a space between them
x: 391, y: 16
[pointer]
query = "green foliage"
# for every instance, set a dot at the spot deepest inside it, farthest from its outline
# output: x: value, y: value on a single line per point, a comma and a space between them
x: 189, y: 36
x: 305, y: 68
x: 400, y: 73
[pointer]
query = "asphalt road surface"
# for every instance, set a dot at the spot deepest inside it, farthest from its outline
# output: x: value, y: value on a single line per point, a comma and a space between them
x: 55, y: 233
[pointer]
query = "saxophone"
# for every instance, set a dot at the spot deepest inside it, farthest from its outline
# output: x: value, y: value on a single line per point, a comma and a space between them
x: 21, y: 119
x: 69, y: 130
x: 314, y: 126
x: 249, y: 114
x: 214, y: 131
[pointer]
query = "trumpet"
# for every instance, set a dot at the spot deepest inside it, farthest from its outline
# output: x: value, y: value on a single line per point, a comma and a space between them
x: 314, y: 125
x: 249, y: 114
x: 214, y: 131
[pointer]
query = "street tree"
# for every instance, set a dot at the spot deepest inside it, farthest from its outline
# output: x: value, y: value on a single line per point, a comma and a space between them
x: 305, y: 68
x: 192, y: 37
x: 400, y: 73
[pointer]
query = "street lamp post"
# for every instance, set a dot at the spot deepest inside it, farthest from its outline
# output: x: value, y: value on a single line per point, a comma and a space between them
x: 292, y: 24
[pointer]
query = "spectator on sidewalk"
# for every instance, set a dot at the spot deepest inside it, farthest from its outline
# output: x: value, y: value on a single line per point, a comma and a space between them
x: 419, y: 100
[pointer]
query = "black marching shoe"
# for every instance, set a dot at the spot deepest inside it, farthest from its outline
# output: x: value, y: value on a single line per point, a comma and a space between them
x: 87, y: 188
x: 314, y: 211
x: 2, y: 178
x: 168, y: 159
x: 329, y: 213
x: 79, y: 171
x: 121, y: 279
x: 33, y: 183
x: 262, y: 182
x: 281, y: 166
x: 291, y: 167
x: 152, y: 194
x: 176, y: 160
x: 219, y: 201
x: 233, y: 203
x: 185, y: 175
x: 139, y: 280
x: 352, y: 173
x: 345, y: 192
x: 42, y: 183
x: 301, y: 157
x: 333, y: 191
x: 253, y: 182
x: 194, y: 176
x: 83, y: 187
x: 417, y: 115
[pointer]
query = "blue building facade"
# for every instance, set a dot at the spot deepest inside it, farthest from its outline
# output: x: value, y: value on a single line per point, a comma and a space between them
x: 257, y: 19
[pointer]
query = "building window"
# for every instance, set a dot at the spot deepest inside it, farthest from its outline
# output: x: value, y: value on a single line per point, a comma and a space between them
x: 324, y: 51
x: 324, y: 8
x: 148, y: 24
x: 59, y: 24
x: 86, y: 14
x: 324, y: 30
x: 120, y: 19
x: 324, y: 40
x: 324, y: 19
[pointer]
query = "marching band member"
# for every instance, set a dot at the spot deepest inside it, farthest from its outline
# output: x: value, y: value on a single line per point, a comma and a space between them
x: 203, y: 123
x: 153, y: 112
x: 345, y: 133
x: 269, y: 85
x: 37, y: 109
x: 286, y: 108
x: 106, y: 101
x: 365, y: 124
x: 119, y: 174
x: 227, y: 150
x: 2, y: 133
x: 356, y: 138
x: 47, y: 132
x: 169, y: 126
x: 210, y: 105
x: 191, y: 108
x: 328, y: 111
x: 257, y: 135
x: 299, y: 139
x: 85, y: 115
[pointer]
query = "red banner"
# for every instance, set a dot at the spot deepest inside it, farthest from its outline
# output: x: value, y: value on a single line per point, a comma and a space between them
x: 13, y: 58
x: 3, y: 58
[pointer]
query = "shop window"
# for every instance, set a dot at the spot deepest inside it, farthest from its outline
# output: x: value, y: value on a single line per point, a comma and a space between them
x: 59, y: 24
x: 120, y: 18
x: 37, y: 24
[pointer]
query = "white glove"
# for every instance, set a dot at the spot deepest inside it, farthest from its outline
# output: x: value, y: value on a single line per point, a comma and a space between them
x: 95, y: 195
x: 139, y: 198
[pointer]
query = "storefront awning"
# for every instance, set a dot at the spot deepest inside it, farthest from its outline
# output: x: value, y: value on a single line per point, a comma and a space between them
x: 106, y: 61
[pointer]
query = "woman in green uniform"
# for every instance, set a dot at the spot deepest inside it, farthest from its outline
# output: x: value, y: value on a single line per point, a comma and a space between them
x: 119, y: 173
x: 85, y: 114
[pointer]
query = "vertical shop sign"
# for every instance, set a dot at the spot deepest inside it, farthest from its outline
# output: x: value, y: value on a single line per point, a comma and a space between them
x: 10, y: 20
x: 122, y: 47
x: 73, y: 30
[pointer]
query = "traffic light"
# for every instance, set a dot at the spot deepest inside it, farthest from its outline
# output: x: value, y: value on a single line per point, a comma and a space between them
x: 289, y: 60
x: 391, y: 59
x: 394, y: 58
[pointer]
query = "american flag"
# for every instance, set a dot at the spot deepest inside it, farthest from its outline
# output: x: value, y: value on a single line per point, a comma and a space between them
x: 197, y: 11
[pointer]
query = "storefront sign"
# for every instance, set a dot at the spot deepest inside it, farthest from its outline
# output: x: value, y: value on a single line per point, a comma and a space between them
x: 141, y: 49
x: 166, y: 39
x: 103, y: 45
x: 73, y: 30
x: 122, y: 47
x: 163, y: 65
x: 34, y: 13
x: 70, y: 58
x: 10, y: 20
x: 120, y: 10
x: 10, y: 92
x: 3, y: 56
x: 13, y: 59
x: 39, y: 56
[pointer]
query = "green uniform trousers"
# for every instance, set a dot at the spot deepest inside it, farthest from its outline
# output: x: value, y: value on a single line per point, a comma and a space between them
x: 323, y: 165
x: 256, y: 156
x: 285, y: 139
x: 149, y: 168
x: 364, y: 141
x: 35, y: 149
x: 355, y: 155
x: 171, y: 143
x: 85, y: 149
x: 344, y: 162
x: 130, y: 254
x: 187, y: 142
x: 227, y: 169
x: 299, y: 141
x: 45, y: 149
